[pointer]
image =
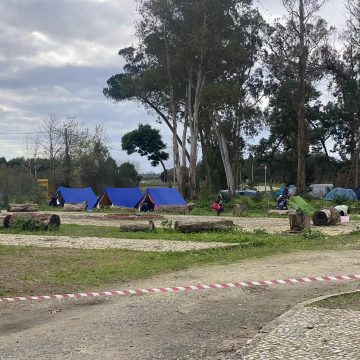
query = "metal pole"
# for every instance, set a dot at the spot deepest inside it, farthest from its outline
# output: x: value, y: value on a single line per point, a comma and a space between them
x: 252, y: 173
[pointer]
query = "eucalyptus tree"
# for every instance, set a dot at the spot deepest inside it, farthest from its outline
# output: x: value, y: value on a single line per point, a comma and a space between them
x: 345, y: 109
x: 294, y: 63
x: 186, y: 47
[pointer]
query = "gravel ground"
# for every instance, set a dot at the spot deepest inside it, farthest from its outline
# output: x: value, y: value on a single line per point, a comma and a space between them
x: 270, y: 225
x: 312, y: 334
x: 108, y: 243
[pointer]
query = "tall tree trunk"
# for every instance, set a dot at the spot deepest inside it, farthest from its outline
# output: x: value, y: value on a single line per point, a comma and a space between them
x: 206, y: 162
x: 167, y: 122
x: 224, y: 154
x: 184, y: 189
x: 179, y: 174
x: 195, y: 132
x: 194, y: 128
x: 301, y: 146
x: 166, y: 173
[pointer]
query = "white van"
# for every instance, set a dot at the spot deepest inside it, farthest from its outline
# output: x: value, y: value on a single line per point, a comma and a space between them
x: 319, y: 190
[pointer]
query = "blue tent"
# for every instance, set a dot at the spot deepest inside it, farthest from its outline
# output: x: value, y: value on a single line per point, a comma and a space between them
x: 346, y: 194
x: 77, y: 195
x: 357, y: 192
x: 158, y: 197
x: 292, y: 189
x: 124, y: 197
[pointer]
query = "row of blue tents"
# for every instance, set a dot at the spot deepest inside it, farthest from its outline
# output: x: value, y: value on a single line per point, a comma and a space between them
x: 153, y: 198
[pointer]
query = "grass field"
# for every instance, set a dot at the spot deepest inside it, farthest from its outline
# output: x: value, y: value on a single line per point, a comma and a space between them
x: 344, y: 302
x: 33, y: 270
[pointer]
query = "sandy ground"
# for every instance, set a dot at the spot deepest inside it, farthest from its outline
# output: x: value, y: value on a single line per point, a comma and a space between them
x: 210, y: 324
x: 107, y: 243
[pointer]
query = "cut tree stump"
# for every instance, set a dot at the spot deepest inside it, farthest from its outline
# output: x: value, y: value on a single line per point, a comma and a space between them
x: 4, y: 221
x: 75, y: 207
x: 35, y: 221
x: 22, y: 207
x: 150, y: 226
x: 326, y: 216
x: 188, y: 227
x: 299, y: 221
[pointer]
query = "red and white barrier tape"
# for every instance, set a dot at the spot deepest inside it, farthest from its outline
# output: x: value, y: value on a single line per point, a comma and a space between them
x: 240, y: 284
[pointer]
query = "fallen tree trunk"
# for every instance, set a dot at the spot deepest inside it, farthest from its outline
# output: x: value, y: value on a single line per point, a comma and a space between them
x: 326, y: 216
x: 75, y: 207
x: 22, y: 207
x: 299, y: 221
x: 188, y: 227
x: 34, y: 221
x: 150, y: 226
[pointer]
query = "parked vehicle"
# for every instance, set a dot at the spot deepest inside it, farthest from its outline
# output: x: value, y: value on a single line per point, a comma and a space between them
x: 241, y: 192
x: 319, y: 190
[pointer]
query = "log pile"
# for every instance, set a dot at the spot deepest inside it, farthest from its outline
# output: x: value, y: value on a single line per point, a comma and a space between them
x: 75, y: 206
x: 31, y: 221
x: 22, y: 207
x: 326, y: 216
x: 141, y: 226
x: 299, y: 221
x: 185, y: 226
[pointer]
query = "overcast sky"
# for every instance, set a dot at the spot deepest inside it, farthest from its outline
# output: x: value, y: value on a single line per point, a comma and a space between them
x: 55, y: 58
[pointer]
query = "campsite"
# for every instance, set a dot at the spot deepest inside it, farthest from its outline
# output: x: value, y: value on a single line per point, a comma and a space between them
x: 180, y: 180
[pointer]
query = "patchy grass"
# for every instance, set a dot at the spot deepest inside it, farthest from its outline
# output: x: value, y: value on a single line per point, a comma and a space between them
x: 344, y: 302
x: 32, y: 270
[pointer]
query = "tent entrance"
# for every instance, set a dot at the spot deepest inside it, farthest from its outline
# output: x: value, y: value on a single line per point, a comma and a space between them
x: 104, y: 201
x: 147, y: 204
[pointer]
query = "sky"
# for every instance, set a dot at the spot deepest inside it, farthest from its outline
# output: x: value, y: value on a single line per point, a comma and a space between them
x: 56, y: 56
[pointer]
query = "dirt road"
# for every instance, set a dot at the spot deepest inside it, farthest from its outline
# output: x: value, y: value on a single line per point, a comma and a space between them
x: 199, y: 325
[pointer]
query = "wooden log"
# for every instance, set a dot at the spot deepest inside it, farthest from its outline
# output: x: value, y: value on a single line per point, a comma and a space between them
x: 188, y: 226
x: 75, y: 206
x: 326, y: 216
x: 22, y: 207
x: 299, y: 221
x: 35, y: 221
x: 150, y: 226
x: 4, y: 221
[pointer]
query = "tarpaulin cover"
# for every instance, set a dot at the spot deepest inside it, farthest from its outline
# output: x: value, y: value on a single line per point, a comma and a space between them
x: 357, y: 192
x: 299, y: 204
x: 346, y: 194
x: 125, y: 197
x: 78, y: 195
x: 165, y: 196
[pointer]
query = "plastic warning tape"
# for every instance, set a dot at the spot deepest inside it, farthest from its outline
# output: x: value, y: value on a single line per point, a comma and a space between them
x: 239, y: 284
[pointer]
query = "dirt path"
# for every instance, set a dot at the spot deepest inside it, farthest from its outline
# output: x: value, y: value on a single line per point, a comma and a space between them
x: 270, y: 225
x: 107, y: 243
x: 210, y: 324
